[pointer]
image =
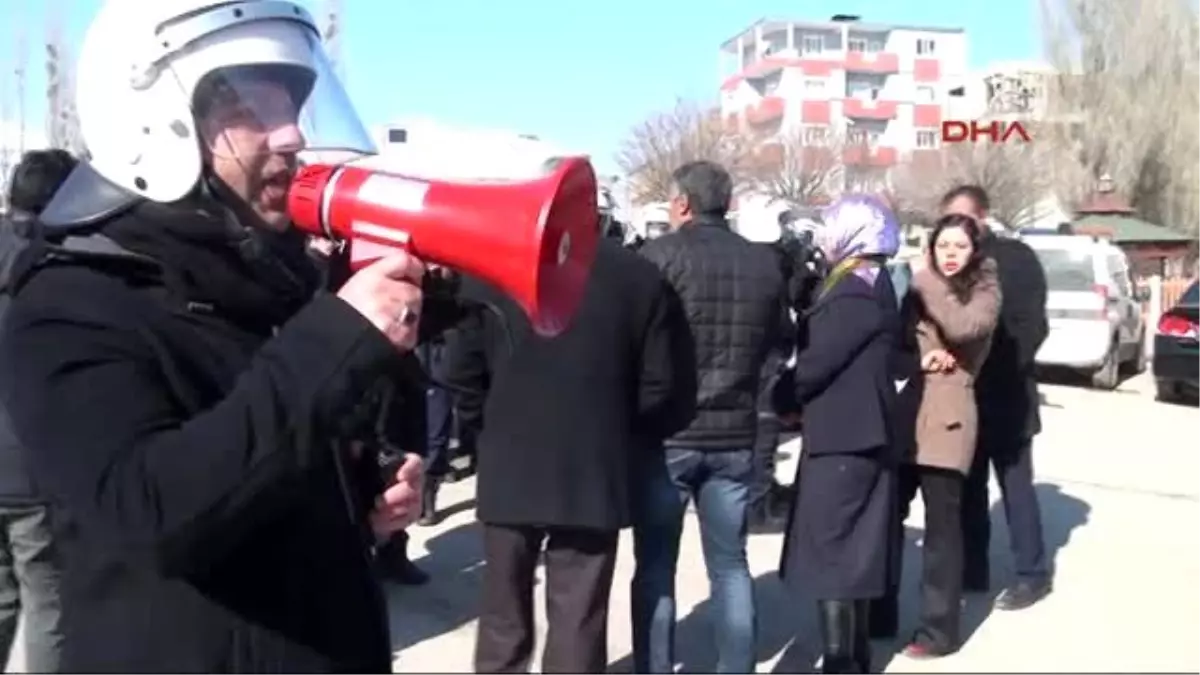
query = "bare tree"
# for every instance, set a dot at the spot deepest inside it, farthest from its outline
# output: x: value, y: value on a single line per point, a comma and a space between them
x: 798, y: 168
x: 1015, y: 175
x: 1132, y: 94
x: 688, y: 132
x: 62, y: 122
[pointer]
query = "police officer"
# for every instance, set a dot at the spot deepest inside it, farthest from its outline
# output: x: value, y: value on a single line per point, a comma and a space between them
x: 178, y: 388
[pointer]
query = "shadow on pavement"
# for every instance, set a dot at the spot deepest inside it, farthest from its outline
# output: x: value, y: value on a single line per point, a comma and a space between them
x: 1061, y: 514
x: 449, y: 600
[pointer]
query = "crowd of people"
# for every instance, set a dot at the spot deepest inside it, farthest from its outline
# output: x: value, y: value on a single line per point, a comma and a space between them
x: 213, y: 428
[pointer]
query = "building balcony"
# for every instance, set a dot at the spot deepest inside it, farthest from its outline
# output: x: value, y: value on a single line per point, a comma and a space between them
x: 881, y: 63
x: 869, y: 110
x: 769, y: 109
x: 771, y: 64
x: 927, y: 70
x: 927, y: 115
x: 862, y: 155
x: 793, y: 156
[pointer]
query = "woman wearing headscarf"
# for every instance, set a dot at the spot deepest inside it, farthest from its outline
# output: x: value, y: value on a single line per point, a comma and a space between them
x: 838, y: 546
x: 955, y: 303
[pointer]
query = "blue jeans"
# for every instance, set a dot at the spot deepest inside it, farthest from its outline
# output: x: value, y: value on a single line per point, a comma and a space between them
x: 719, y: 482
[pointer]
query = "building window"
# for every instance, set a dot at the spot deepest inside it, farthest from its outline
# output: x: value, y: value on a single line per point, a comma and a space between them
x: 397, y: 136
x: 925, y: 95
x: 815, y: 135
x: 770, y: 83
x: 875, y: 46
x: 857, y: 44
x: 867, y: 137
x: 925, y: 47
x: 926, y: 139
x: 812, y: 44
x: 863, y: 90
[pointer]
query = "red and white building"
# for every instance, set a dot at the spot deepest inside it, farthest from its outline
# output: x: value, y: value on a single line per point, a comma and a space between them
x: 882, y: 88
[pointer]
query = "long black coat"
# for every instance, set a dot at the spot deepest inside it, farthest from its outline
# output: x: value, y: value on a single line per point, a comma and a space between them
x: 215, y: 528
x: 1006, y: 389
x: 565, y: 419
x: 839, y: 540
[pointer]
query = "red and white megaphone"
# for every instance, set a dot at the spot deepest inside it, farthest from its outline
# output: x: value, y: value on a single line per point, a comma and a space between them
x: 535, y: 240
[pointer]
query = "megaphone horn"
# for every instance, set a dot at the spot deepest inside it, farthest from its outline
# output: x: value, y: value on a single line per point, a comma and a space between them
x: 535, y: 240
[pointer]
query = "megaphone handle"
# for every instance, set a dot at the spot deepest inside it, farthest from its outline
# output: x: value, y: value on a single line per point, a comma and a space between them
x: 363, y: 252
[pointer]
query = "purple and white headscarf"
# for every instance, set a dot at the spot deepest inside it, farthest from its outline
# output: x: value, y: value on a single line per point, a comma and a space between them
x: 858, y: 225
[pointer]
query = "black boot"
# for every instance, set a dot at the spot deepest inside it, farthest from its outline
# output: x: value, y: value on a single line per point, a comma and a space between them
x: 884, y: 619
x: 843, y: 635
x: 862, y: 635
x: 429, y: 513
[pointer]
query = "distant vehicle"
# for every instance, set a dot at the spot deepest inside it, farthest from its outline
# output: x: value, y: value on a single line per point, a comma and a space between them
x: 1177, y: 349
x: 1093, y: 306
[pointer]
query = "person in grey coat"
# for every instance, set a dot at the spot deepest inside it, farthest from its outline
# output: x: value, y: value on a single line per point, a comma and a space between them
x: 838, y: 542
x: 29, y: 563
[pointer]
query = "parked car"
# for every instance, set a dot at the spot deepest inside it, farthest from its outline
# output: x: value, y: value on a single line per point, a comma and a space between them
x: 1093, y: 307
x: 1176, y: 363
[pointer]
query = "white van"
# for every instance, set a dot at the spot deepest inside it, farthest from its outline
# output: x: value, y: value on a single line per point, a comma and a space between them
x: 1092, y: 304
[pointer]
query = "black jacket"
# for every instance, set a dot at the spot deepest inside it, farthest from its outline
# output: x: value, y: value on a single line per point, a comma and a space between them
x: 565, y: 419
x: 732, y: 291
x: 1006, y: 389
x: 215, y: 527
x: 16, y: 488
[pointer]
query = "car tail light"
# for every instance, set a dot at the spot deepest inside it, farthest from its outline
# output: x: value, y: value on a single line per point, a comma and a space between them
x: 1102, y: 291
x: 1177, y: 326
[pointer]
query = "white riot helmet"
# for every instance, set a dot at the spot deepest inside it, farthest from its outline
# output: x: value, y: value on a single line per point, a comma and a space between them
x: 149, y: 70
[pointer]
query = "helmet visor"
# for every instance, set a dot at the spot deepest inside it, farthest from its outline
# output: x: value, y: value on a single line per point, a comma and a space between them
x: 279, y: 111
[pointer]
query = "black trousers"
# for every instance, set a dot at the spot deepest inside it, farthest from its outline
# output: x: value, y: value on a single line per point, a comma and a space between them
x: 579, y: 575
x: 1012, y: 460
x: 941, y: 552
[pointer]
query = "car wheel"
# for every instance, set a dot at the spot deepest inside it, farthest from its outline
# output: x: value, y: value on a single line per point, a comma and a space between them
x: 1165, y: 392
x: 1109, y: 375
x: 1137, y: 365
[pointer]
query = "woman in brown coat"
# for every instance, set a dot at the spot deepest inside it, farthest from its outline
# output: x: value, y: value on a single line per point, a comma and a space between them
x: 955, y: 303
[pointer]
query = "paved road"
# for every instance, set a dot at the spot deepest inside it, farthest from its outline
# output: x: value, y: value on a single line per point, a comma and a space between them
x: 1117, y: 475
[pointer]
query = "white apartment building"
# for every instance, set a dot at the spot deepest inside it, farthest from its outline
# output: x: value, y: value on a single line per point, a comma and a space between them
x: 433, y: 149
x: 883, y: 88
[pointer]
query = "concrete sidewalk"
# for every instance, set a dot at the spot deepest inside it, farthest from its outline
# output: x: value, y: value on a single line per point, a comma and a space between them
x: 1118, y: 480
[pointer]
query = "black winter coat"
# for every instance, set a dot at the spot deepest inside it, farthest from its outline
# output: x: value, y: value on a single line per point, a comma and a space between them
x: 732, y: 291
x: 215, y: 527
x: 16, y: 488
x: 1006, y: 388
x: 566, y: 419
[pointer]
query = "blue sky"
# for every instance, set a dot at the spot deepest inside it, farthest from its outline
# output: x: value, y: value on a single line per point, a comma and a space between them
x: 576, y: 73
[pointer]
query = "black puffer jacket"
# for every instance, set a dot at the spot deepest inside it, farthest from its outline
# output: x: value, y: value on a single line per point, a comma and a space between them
x: 732, y: 290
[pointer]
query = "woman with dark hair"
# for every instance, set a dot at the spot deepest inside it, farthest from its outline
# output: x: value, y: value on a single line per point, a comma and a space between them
x: 954, y: 305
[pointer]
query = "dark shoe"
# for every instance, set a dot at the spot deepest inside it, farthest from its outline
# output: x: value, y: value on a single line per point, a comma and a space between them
x: 923, y: 652
x: 1022, y: 595
x: 429, y: 513
x: 842, y: 635
x: 862, y: 635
